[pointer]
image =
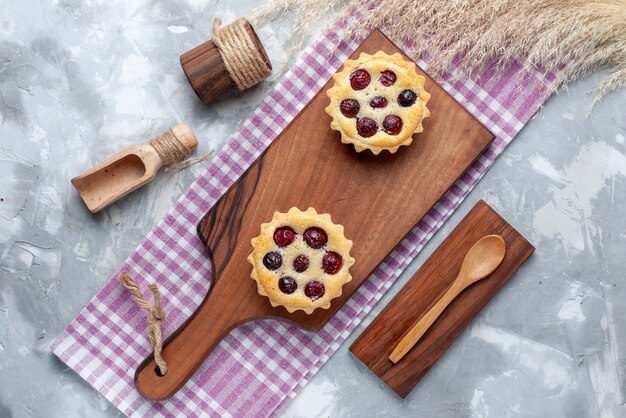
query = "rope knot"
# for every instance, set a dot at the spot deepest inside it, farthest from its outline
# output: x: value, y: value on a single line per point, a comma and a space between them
x: 155, y: 316
x: 156, y: 311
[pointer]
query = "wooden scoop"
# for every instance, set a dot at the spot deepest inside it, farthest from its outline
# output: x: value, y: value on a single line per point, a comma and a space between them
x: 479, y: 262
x: 133, y: 167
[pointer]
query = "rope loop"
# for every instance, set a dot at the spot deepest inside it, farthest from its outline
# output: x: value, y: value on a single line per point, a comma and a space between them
x: 155, y: 317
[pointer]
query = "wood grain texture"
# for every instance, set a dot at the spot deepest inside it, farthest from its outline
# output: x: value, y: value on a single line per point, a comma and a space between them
x: 378, y: 199
x: 206, y: 71
x: 422, y: 292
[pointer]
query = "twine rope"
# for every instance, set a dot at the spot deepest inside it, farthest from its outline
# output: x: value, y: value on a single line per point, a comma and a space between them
x: 244, y: 62
x: 155, y: 317
x: 171, y: 149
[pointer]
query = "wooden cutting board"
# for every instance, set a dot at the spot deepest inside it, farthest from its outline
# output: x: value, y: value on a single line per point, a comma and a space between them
x: 378, y: 199
x: 425, y: 288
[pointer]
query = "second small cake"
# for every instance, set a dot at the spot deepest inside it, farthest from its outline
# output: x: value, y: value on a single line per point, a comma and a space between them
x: 300, y: 260
x: 378, y: 102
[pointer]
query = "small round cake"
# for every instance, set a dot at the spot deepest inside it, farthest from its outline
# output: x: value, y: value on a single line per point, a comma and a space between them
x: 378, y: 102
x: 300, y: 260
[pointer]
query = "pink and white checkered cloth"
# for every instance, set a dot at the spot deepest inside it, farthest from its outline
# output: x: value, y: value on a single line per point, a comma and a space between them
x: 259, y: 367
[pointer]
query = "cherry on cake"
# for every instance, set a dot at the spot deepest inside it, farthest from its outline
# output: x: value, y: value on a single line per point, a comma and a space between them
x: 301, y: 260
x: 378, y: 102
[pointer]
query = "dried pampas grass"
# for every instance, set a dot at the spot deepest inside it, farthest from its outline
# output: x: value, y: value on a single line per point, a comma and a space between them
x: 568, y: 37
x: 308, y: 16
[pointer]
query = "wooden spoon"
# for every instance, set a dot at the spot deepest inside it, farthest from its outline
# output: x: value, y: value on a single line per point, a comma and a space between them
x: 479, y: 262
x: 128, y: 170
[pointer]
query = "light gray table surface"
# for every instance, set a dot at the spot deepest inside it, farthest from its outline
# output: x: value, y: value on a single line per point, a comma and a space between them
x: 80, y: 81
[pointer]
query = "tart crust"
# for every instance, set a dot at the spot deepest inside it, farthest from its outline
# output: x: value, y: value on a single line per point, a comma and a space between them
x: 267, y: 280
x: 406, y: 78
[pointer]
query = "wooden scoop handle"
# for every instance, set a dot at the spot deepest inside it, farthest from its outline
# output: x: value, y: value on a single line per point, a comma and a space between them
x: 419, y: 329
x: 186, y: 349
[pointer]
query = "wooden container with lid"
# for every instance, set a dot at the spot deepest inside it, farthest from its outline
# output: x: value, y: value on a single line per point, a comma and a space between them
x: 234, y: 59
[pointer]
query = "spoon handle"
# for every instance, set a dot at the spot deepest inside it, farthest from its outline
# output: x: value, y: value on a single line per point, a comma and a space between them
x: 420, y: 328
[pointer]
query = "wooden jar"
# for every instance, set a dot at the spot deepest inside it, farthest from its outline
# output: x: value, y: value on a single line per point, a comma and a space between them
x: 207, y: 72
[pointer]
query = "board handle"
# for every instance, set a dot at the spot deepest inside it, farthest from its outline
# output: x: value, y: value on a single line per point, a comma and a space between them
x: 185, y: 350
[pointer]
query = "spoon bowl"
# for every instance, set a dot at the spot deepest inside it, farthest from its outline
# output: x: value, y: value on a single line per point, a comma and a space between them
x: 483, y: 258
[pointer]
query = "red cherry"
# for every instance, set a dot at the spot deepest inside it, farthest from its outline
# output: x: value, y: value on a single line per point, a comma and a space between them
x: 300, y: 263
x: 272, y: 260
x: 378, y: 102
x: 284, y: 236
x: 349, y: 108
x: 331, y: 262
x: 366, y: 127
x: 406, y: 98
x: 314, y: 290
x: 392, y: 124
x: 387, y: 78
x: 287, y: 285
x: 315, y: 237
x: 360, y: 79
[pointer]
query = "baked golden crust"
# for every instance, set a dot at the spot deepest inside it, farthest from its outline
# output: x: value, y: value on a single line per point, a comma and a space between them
x: 412, y: 116
x: 268, y: 280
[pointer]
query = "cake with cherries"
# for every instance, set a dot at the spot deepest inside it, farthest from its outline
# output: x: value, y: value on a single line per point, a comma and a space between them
x: 301, y: 260
x: 378, y: 102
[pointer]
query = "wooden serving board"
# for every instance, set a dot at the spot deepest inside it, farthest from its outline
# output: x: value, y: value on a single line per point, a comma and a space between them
x: 378, y: 199
x: 425, y: 288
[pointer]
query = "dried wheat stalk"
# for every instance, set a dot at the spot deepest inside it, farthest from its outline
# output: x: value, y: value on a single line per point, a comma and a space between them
x: 307, y: 14
x: 570, y: 37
